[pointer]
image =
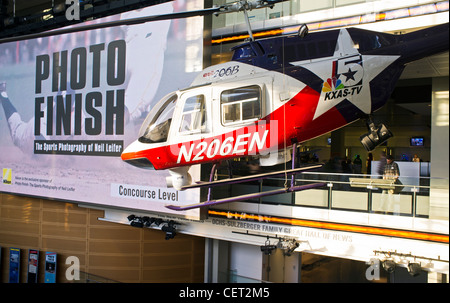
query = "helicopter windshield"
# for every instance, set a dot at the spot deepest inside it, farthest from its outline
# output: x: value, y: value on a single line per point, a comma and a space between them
x: 157, y: 123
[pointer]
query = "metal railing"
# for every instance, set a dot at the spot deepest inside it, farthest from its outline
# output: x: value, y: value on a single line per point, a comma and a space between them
x: 90, y: 278
x: 232, y: 276
x: 353, y: 192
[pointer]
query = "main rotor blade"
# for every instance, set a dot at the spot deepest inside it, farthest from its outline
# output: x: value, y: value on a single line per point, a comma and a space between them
x: 132, y: 21
x: 237, y: 6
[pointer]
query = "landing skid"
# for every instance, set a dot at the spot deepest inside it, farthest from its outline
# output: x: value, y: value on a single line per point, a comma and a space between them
x: 246, y: 197
x: 249, y: 178
x: 230, y: 180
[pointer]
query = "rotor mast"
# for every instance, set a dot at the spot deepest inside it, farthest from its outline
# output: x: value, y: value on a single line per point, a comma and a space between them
x: 245, y: 6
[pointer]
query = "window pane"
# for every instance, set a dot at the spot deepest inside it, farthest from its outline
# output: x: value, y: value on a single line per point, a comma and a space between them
x: 251, y: 109
x: 241, y: 104
x: 347, y: 2
x: 308, y: 5
x: 193, y: 103
x: 231, y: 113
x: 186, y: 123
x: 240, y: 94
x: 194, y: 117
x: 157, y: 124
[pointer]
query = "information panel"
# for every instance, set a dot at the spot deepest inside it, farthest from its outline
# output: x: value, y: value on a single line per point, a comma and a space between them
x: 50, y: 267
x: 72, y: 103
x: 33, y: 265
x: 14, y: 265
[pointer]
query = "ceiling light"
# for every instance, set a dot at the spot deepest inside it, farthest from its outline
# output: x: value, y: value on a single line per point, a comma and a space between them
x: 414, y: 269
x: 170, y: 230
x: 389, y: 265
x: 135, y: 221
x: 267, y: 248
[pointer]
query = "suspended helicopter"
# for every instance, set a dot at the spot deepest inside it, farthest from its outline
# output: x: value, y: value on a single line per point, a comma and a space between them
x: 274, y: 94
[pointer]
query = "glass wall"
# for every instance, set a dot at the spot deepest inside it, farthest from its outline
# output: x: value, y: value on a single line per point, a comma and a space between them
x: 339, y: 191
x: 283, y: 9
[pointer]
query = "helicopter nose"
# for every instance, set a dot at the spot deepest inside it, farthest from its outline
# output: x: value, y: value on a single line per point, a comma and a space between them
x: 133, y: 155
x: 128, y: 152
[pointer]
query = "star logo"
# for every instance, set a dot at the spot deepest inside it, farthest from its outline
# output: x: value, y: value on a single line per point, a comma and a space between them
x: 347, y: 76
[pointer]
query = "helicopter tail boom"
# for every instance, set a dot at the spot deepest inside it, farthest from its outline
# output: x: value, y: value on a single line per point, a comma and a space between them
x: 424, y: 43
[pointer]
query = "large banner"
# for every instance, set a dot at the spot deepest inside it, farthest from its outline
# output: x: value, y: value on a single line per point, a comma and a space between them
x: 72, y: 103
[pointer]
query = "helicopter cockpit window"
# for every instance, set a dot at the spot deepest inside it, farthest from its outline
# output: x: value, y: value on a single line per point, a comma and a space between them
x: 157, y: 124
x: 241, y: 104
x: 194, y: 117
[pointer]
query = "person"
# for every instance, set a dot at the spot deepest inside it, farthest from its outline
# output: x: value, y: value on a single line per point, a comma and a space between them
x: 369, y: 163
x: 391, y: 172
x: 21, y: 132
x: 253, y: 166
x: 346, y: 165
x: 357, y: 165
x: 416, y: 158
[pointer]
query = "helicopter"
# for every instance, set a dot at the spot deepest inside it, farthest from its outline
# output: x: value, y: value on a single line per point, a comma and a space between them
x: 276, y: 93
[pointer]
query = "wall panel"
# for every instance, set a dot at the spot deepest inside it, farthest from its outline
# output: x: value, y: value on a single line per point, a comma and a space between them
x: 113, y: 251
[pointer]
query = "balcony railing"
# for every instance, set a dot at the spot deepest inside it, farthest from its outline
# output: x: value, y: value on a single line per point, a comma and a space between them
x: 351, y: 192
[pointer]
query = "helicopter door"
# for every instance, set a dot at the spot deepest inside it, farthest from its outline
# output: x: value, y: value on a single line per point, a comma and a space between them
x: 193, y: 118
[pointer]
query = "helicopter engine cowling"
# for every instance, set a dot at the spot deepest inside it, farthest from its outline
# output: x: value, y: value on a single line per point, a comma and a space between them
x: 179, y: 177
x: 275, y: 158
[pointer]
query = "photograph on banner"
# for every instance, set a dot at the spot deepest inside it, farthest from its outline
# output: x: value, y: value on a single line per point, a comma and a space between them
x: 72, y: 103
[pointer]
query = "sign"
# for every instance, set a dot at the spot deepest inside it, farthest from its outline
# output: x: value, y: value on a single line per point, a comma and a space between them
x: 33, y: 265
x: 14, y: 265
x: 72, y: 103
x: 50, y: 267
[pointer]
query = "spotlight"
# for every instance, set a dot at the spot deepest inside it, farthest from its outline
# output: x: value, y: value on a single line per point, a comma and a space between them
x: 135, y: 221
x: 289, y: 247
x: 59, y: 8
x: 267, y: 248
x: 389, y: 265
x: 414, y: 269
x: 376, y: 136
x: 303, y: 31
x: 170, y: 230
x: 148, y: 221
